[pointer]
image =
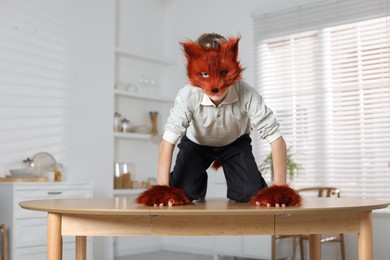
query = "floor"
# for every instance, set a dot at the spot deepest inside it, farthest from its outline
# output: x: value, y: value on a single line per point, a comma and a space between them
x: 167, y: 255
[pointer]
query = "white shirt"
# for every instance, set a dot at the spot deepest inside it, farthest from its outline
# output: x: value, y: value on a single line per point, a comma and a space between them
x: 204, y: 123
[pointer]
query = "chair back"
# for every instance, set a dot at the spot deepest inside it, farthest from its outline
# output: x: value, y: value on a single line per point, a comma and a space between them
x: 321, y: 191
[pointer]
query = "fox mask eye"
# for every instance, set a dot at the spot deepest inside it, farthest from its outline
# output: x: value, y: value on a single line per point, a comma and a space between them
x: 204, y: 74
x: 223, y: 73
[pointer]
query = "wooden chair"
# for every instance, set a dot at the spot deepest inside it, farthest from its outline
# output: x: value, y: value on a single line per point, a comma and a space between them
x: 339, y: 238
x: 4, y: 242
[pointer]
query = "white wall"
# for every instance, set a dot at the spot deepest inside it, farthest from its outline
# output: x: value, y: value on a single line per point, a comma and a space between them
x: 141, y: 27
x: 91, y: 100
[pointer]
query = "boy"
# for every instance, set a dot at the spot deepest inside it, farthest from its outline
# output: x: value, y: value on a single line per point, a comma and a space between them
x: 213, y: 115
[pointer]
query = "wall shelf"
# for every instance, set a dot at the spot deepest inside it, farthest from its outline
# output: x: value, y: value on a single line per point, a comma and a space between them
x: 127, y: 192
x: 136, y: 136
x: 162, y: 61
x: 125, y: 93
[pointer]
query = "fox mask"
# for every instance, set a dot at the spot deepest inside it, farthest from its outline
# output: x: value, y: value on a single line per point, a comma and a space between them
x: 213, y: 69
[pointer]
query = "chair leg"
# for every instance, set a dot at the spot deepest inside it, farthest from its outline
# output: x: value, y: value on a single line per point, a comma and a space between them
x: 273, y: 248
x: 3, y: 232
x: 342, y: 247
x: 294, y: 247
x: 302, y: 248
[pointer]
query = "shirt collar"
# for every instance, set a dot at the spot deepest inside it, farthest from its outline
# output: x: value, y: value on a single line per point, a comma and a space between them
x: 230, y: 98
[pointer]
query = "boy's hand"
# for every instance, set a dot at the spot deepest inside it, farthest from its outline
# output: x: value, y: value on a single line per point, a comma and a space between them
x: 161, y: 195
x: 277, y: 195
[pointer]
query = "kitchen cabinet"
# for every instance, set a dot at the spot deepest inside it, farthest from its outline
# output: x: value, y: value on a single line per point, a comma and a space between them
x: 139, y: 148
x: 27, y: 230
x: 139, y: 87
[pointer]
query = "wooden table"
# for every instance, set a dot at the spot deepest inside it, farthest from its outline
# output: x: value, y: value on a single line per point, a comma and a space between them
x: 120, y: 216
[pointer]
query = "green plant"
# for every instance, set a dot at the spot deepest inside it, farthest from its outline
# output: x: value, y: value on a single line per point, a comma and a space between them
x: 267, y: 165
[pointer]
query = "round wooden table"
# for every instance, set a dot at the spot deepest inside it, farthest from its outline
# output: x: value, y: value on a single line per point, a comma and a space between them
x: 120, y: 216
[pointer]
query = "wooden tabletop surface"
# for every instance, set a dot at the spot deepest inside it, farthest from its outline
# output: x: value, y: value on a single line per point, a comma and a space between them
x: 127, y: 206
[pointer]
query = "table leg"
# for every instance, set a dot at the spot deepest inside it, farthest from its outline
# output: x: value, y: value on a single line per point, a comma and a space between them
x: 365, y: 236
x: 54, y: 238
x: 81, y: 248
x: 315, y: 247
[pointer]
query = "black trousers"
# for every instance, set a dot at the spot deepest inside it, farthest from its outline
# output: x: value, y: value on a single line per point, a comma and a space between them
x: 243, y: 178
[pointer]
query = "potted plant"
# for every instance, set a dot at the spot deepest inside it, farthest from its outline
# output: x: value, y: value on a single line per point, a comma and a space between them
x: 267, y: 165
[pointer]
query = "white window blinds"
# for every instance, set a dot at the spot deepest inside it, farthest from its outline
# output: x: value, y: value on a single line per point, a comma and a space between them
x: 33, y: 93
x: 324, y: 69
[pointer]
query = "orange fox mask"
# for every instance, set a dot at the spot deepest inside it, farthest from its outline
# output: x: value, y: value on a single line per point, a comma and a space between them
x: 213, y: 69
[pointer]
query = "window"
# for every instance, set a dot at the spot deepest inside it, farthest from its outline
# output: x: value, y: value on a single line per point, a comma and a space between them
x: 330, y: 89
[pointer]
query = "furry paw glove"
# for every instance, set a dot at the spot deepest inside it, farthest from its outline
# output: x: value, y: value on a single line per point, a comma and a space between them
x: 275, y: 195
x: 160, y: 195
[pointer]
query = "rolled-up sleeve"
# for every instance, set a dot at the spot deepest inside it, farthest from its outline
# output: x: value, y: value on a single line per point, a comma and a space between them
x: 262, y: 118
x: 179, y: 118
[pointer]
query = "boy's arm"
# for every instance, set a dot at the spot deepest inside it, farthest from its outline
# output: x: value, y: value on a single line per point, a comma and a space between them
x: 279, y: 158
x: 162, y: 194
x: 164, y: 162
x: 279, y: 194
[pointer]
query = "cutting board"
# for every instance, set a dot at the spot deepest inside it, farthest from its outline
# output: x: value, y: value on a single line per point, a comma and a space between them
x: 24, y: 179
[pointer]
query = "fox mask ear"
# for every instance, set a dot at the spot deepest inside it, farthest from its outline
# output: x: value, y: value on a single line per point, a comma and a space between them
x: 231, y: 48
x: 192, y: 50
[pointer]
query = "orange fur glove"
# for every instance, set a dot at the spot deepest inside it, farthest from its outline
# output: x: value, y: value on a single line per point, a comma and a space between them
x: 277, y: 195
x: 161, y: 195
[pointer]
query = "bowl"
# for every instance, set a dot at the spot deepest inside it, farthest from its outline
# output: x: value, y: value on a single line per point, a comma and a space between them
x: 22, y: 172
